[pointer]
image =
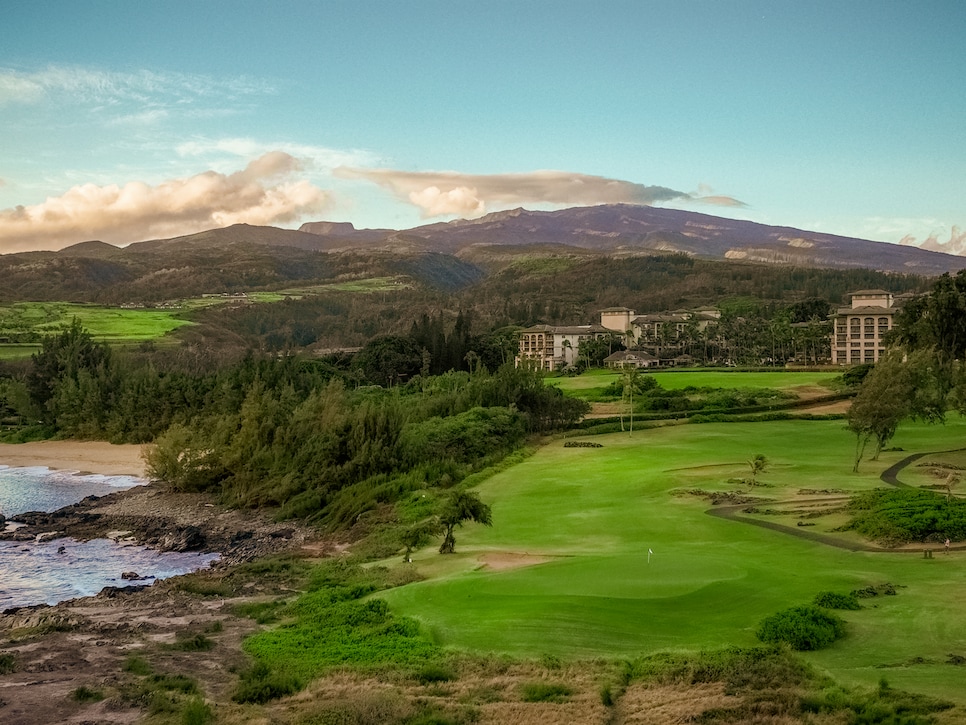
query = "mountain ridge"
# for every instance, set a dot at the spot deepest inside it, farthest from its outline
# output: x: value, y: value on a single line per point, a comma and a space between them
x: 449, y: 254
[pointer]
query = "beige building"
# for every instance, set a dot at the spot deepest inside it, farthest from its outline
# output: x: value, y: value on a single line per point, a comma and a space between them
x: 631, y: 359
x: 554, y: 347
x: 858, y: 331
x: 617, y: 319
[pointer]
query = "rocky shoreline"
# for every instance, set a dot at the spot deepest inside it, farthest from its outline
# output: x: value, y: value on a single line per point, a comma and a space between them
x: 88, y: 642
x: 161, y: 519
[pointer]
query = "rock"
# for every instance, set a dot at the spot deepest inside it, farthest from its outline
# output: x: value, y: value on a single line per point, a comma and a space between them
x: 131, y: 575
x: 187, y: 538
x: 113, y: 592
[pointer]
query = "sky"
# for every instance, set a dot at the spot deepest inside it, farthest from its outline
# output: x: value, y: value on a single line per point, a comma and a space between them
x: 125, y: 121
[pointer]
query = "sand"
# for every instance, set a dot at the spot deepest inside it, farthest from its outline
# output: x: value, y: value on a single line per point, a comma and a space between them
x: 81, y: 456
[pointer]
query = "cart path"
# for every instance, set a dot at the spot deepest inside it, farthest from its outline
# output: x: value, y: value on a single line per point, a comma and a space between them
x: 889, y: 476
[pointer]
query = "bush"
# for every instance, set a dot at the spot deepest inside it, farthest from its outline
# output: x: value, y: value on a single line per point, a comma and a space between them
x: 802, y: 628
x: 260, y: 685
x: 87, y: 694
x: 196, y: 712
x: 8, y: 664
x: 902, y: 515
x: 193, y: 643
x: 137, y: 666
x: 831, y: 600
x: 434, y: 673
x: 546, y: 692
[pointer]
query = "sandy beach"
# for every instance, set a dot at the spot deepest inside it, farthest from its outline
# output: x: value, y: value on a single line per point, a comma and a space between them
x: 82, y: 456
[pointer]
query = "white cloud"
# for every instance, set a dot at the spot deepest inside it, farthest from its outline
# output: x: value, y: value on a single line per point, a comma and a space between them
x: 461, y: 201
x: 956, y: 244
x: 98, y: 86
x: 316, y: 157
x: 264, y: 192
x: 471, y: 195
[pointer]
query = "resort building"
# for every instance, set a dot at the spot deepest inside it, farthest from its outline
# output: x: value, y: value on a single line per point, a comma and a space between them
x: 858, y: 331
x: 631, y: 359
x: 553, y: 348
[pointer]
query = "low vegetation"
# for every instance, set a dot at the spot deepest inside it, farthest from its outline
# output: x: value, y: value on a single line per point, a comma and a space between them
x: 802, y: 628
x: 897, y: 516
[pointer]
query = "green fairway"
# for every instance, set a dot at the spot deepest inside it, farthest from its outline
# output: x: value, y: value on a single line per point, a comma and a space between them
x: 580, y: 385
x: 564, y: 570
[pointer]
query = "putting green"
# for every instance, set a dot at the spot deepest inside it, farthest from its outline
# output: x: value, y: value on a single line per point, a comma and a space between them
x: 566, y: 568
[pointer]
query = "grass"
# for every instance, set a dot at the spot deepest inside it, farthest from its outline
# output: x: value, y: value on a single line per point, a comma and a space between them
x: 589, y: 384
x: 593, y: 515
x: 105, y: 324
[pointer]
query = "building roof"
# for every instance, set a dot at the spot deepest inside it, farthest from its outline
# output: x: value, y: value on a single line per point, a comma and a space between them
x: 867, y: 310
x: 622, y: 355
x: 618, y: 309
x: 661, y: 317
x: 868, y: 292
x: 566, y: 329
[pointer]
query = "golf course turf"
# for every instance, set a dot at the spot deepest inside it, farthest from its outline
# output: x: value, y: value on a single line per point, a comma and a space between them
x: 608, y: 552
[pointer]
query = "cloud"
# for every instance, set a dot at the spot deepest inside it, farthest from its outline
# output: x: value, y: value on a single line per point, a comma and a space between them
x: 319, y: 157
x: 99, y: 86
x: 471, y: 195
x: 956, y: 244
x: 264, y: 192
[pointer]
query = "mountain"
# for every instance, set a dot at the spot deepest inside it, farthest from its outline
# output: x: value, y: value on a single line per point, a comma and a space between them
x: 623, y: 228
x: 446, y: 255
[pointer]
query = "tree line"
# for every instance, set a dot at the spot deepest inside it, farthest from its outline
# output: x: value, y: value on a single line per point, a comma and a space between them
x: 313, y: 437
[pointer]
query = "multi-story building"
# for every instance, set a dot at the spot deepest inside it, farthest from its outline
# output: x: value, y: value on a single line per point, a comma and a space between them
x: 858, y: 331
x: 554, y: 347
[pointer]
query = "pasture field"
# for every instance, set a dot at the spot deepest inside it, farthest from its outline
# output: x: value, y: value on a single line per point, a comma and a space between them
x: 105, y: 324
x: 567, y: 568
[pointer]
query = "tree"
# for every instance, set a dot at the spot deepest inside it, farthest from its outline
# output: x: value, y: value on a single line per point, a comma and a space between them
x: 389, y: 360
x: 757, y: 464
x: 418, y: 535
x: 629, y: 384
x: 900, y: 386
x: 461, y: 506
x: 936, y: 322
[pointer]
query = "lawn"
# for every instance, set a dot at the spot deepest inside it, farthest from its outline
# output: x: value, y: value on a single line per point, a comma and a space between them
x: 588, y: 383
x: 565, y: 569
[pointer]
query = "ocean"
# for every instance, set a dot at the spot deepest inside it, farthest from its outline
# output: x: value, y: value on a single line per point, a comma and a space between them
x: 54, y: 571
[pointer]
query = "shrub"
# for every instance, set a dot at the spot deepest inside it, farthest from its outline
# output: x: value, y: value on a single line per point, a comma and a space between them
x: 606, y: 696
x: 196, y: 712
x: 832, y: 600
x: 193, y: 643
x: 901, y: 515
x: 802, y: 628
x: 260, y: 685
x: 137, y: 666
x: 546, y: 692
x: 8, y: 664
x: 434, y: 673
x: 87, y: 694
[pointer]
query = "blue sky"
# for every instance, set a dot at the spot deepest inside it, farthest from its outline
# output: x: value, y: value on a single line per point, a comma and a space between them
x: 124, y: 121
